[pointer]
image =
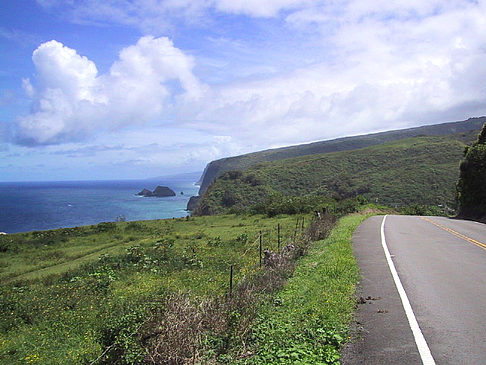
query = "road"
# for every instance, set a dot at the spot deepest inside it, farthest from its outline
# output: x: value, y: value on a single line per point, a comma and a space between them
x: 441, y: 264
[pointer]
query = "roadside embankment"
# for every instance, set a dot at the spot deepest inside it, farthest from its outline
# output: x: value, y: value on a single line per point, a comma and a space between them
x: 308, y: 321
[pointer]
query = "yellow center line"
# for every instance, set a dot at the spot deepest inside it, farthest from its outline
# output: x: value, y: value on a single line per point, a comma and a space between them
x: 460, y: 235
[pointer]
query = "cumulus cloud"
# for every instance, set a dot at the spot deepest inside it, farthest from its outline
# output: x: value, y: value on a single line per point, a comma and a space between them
x: 377, y: 65
x: 71, y: 100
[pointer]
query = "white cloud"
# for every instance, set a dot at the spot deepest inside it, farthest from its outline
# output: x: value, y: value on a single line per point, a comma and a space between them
x: 70, y: 99
x: 386, y: 65
x: 377, y: 66
x: 257, y: 8
x: 154, y: 16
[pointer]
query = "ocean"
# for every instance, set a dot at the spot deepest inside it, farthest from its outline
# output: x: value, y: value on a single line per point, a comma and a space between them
x: 32, y: 206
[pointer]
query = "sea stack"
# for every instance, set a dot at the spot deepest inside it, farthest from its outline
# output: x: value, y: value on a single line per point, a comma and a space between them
x: 145, y: 192
x: 159, y: 192
x: 162, y: 191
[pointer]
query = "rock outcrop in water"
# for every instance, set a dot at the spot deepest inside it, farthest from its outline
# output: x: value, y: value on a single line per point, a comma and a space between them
x: 145, y: 192
x: 159, y: 192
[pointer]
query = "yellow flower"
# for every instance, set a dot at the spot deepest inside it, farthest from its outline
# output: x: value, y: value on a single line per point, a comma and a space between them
x: 32, y: 358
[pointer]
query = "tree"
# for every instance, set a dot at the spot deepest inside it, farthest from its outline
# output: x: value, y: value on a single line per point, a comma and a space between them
x: 471, y: 188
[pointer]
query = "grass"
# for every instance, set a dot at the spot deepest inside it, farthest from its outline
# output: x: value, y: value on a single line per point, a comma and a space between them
x: 308, y: 321
x: 157, y: 292
x: 94, y: 287
x: 35, y: 255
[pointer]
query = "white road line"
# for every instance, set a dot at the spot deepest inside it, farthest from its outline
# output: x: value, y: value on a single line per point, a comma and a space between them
x: 422, y: 346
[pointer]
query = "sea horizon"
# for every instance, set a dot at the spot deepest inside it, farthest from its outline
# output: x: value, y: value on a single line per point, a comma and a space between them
x: 42, y: 205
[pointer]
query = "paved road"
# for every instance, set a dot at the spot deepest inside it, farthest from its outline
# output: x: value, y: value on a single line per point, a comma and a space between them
x: 442, y: 265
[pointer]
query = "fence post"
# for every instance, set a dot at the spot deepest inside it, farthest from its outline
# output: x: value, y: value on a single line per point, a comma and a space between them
x: 231, y: 281
x: 260, y: 248
x: 303, y: 224
x: 295, y: 230
x: 278, y: 237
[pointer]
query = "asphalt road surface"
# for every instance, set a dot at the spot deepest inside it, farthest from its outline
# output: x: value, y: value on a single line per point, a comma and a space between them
x: 441, y: 264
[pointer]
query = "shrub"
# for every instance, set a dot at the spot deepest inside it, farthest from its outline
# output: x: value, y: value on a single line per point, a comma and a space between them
x: 229, y: 198
x: 215, y: 242
x: 252, y: 180
x: 417, y: 209
x: 134, y: 226
x: 471, y: 191
x: 119, y: 332
x: 232, y: 175
x: 104, y: 227
x: 6, y: 244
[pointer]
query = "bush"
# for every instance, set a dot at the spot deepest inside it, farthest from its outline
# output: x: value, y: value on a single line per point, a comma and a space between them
x: 134, y: 227
x: 471, y: 191
x: 252, y: 180
x: 6, y: 244
x: 276, y: 204
x: 418, y: 209
x: 119, y: 334
x: 104, y: 227
x: 229, y: 198
x: 216, y: 329
x: 232, y: 175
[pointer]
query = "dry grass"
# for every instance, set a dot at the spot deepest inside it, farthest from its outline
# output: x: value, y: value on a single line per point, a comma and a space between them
x: 199, y: 330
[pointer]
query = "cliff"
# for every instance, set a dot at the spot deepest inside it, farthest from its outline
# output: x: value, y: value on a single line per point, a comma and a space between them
x: 191, y: 204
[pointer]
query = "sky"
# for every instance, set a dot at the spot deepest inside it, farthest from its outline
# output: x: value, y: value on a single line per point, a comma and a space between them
x: 123, y: 89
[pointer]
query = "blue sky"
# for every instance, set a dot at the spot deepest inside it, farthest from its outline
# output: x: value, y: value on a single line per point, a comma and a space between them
x: 111, y: 89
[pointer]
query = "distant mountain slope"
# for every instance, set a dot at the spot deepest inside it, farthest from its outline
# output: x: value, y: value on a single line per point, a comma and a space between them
x: 216, y: 168
x: 419, y: 170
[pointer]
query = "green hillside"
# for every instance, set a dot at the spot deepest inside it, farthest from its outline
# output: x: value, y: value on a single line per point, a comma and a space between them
x: 420, y: 170
x: 218, y: 167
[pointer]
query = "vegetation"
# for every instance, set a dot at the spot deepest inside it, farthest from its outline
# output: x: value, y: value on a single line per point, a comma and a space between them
x: 200, y: 289
x: 159, y: 291
x: 415, y: 171
x: 471, y: 188
x: 308, y: 320
x: 456, y: 130
x: 117, y: 299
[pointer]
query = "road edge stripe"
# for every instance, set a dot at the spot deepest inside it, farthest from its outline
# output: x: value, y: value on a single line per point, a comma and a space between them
x: 422, y: 346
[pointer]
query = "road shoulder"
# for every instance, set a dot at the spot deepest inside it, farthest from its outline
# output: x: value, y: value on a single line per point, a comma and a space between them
x: 381, y: 333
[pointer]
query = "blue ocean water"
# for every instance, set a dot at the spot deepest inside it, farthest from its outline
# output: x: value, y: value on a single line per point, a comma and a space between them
x: 31, y: 206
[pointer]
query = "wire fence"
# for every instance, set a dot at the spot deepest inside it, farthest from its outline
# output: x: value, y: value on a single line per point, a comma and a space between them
x: 257, y: 246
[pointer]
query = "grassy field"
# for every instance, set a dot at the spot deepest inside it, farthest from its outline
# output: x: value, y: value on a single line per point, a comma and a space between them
x: 72, y: 295
x: 159, y: 291
x: 420, y: 170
